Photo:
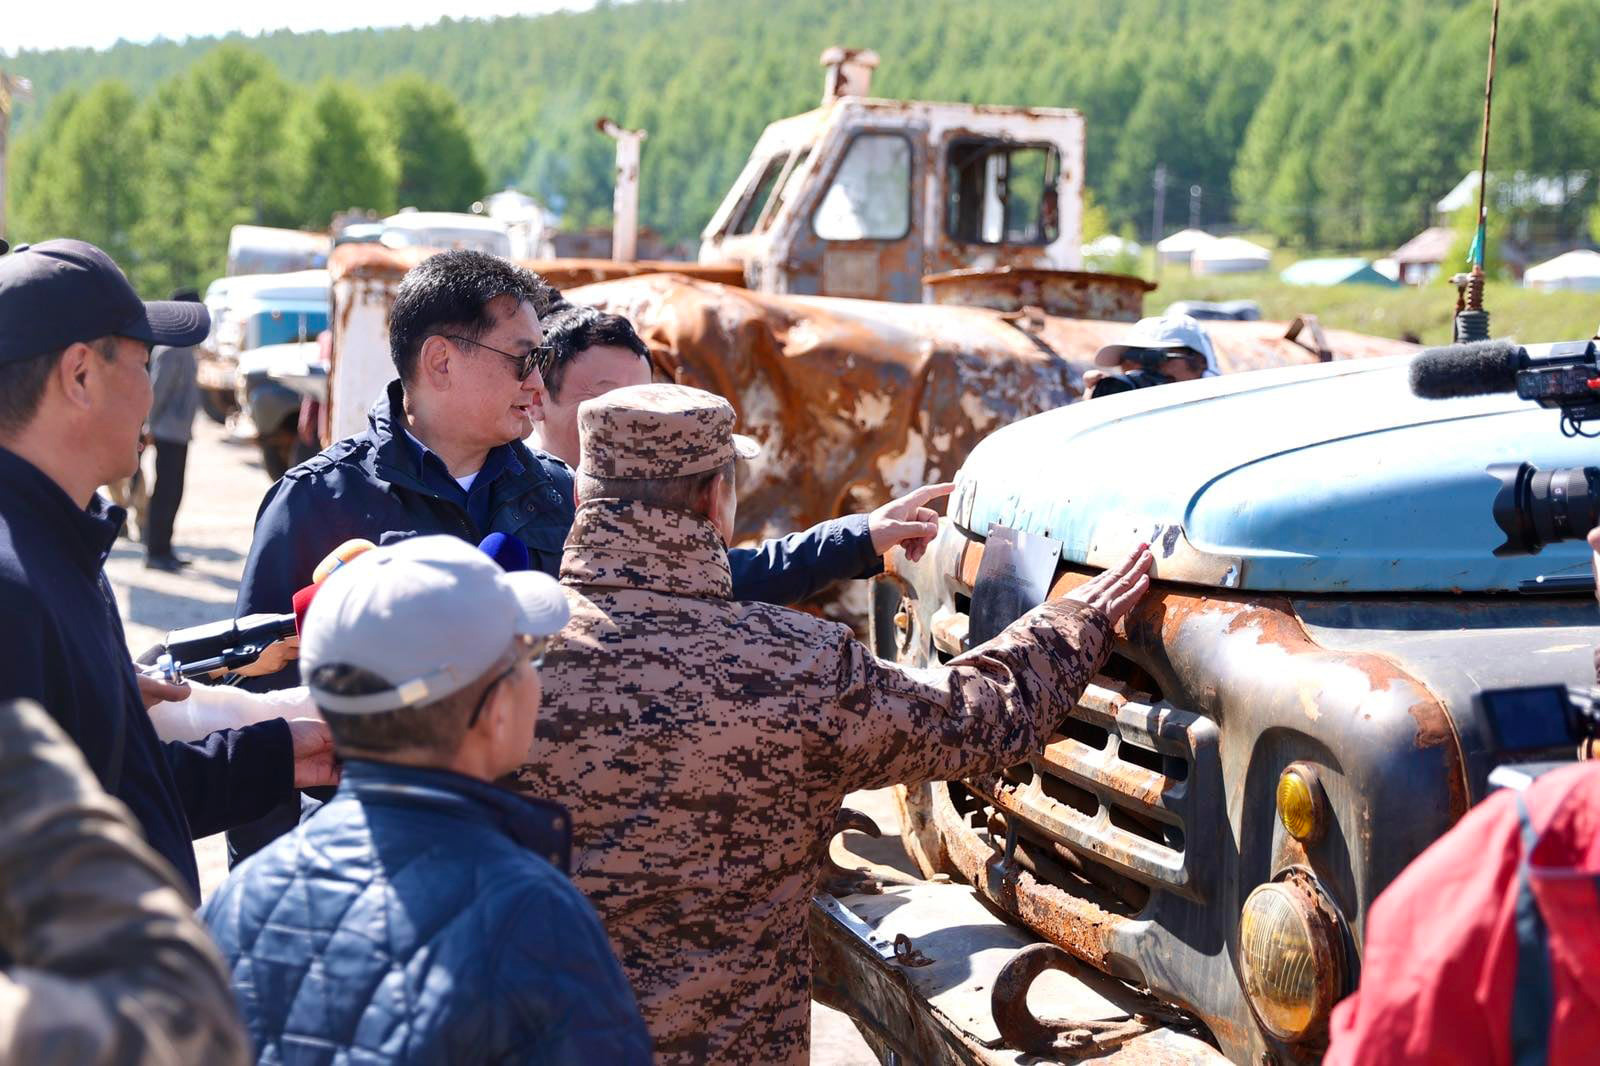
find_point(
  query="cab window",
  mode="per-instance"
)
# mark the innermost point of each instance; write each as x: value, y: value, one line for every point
x: 1001, y: 193
x: 869, y: 198
x: 750, y: 210
x: 789, y: 183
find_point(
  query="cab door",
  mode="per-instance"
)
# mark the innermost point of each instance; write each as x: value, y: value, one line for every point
x: 859, y: 234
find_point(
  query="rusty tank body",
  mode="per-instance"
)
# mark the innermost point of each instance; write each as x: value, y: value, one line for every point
x: 855, y: 401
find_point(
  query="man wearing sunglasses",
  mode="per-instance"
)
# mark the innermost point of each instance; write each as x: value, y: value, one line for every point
x: 444, y: 453
x: 425, y: 915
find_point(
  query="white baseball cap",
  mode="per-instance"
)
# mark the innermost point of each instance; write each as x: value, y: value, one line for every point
x: 428, y: 615
x: 1161, y: 333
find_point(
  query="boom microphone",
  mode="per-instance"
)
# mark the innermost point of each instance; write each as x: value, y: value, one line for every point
x: 1475, y: 369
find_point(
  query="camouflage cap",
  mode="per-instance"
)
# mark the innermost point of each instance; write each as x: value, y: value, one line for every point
x: 658, y: 430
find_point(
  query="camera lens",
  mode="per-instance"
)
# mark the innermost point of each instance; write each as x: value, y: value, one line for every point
x: 1133, y: 379
x: 1534, y: 508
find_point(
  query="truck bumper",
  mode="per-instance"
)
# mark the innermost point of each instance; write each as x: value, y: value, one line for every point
x: 929, y: 1001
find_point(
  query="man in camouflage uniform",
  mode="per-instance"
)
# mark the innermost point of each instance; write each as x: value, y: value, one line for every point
x: 101, y: 959
x: 704, y: 745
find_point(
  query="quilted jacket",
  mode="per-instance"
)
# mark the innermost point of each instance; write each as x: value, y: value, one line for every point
x: 423, y: 917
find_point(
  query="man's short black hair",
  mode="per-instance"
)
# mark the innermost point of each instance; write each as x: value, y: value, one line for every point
x: 437, y: 728
x: 577, y: 329
x: 448, y: 292
x: 22, y: 383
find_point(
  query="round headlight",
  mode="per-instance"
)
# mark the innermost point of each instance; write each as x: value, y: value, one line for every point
x: 1300, y: 802
x: 1290, y: 957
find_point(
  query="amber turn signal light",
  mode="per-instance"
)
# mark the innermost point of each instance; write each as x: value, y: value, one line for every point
x: 1300, y: 803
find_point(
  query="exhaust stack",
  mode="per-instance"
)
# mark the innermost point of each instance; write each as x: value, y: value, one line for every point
x: 849, y: 72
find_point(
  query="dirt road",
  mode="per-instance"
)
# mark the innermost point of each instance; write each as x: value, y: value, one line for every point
x: 224, y: 486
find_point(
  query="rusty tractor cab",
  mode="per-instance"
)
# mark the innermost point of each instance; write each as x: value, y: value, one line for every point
x: 1302, y: 704
x: 872, y: 199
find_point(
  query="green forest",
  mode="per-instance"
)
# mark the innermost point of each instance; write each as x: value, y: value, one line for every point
x: 1327, y: 126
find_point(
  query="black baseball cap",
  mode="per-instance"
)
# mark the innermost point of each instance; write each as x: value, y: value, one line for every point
x: 59, y: 292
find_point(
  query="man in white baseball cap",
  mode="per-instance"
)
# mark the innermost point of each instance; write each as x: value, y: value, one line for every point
x: 424, y: 914
x: 1156, y: 351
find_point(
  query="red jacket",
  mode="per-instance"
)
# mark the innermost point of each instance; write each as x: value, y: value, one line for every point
x: 1486, y: 949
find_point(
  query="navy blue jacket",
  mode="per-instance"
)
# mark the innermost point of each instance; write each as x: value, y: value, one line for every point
x: 62, y: 644
x: 423, y: 917
x: 379, y: 482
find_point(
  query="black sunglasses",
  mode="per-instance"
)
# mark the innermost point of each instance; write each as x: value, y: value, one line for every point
x: 527, y: 649
x: 537, y: 358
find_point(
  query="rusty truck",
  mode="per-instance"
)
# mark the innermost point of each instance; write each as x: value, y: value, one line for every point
x: 886, y: 285
x: 885, y: 282
x: 1298, y: 708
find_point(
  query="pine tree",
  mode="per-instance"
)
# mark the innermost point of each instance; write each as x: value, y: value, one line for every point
x: 86, y: 184
x: 241, y: 176
x: 438, y: 168
x: 338, y: 157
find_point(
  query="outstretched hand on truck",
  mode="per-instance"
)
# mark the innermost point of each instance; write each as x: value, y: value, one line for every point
x: 908, y: 521
x: 1118, y: 590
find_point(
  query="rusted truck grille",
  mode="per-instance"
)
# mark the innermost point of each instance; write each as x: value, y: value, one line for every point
x: 1112, y: 801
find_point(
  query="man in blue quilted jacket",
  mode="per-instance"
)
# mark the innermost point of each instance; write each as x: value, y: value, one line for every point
x: 425, y: 915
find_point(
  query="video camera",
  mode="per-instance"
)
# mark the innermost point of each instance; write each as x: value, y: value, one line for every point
x: 1543, y: 721
x: 226, y: 645
x: 1148, y: 373
x: 1533, y: 507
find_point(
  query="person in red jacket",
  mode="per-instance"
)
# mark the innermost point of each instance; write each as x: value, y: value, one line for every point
x: 1486, y: 949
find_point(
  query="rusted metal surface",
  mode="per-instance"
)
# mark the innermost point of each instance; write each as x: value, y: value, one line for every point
x: 941, y: 1013
x: 1020, y: 1029
x: 1076, y: 925
x: 379, y: 262
x: 856, y: 402
x: 1245, y: 663
x: 1068, y: 293
x: 907, y: 954
x: 836, y: 879
x: 784, y: 254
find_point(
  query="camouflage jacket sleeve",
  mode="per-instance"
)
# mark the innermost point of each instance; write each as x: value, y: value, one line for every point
x: 991, y: 707
x: 104, y: 961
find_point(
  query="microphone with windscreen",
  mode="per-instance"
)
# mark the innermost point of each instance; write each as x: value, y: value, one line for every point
x: 1476, y: 369
x: 1532, y: 507
x: 508, y: 551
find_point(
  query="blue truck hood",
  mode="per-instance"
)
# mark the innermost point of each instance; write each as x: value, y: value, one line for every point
x: 1330, y: 478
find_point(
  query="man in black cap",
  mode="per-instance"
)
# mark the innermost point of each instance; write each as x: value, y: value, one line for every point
x: 75, y: 344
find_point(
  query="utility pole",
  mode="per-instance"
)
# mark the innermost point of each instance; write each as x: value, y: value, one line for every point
x: 13, y: 87
x: 1194, y: 206
x: 625, y: 197
x: 1160, y: 212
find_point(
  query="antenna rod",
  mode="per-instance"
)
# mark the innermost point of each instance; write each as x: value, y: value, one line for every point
x: 1472, y: 321
x: 1483, y: 155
